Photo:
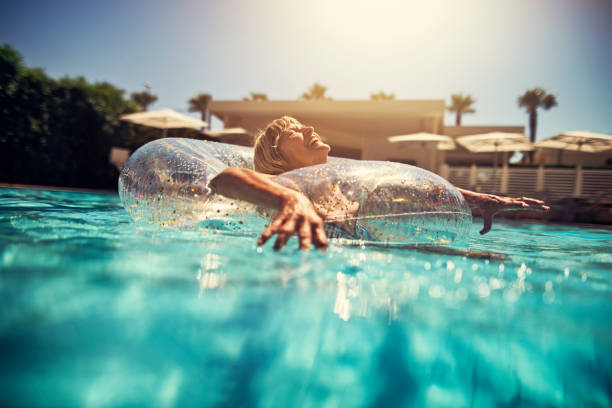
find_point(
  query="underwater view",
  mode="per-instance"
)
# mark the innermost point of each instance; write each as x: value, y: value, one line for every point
x: 97, y: 310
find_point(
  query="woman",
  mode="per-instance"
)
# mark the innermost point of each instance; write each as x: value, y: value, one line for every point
x: 285, y: 145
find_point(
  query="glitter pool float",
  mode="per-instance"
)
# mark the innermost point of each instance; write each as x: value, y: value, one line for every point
x: 165, y: 182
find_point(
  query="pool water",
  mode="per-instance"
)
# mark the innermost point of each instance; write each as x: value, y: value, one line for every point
x: 99, y: 311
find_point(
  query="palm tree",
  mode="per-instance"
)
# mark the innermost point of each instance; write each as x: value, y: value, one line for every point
x: 316, y: 92
x: 533, y: 99
x: 461, y: 104
x: 382, y: 96
x: 143, y: 99
x: 199, y: 103
x: 257, y: 97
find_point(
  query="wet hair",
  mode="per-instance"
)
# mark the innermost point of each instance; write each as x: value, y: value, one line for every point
x: 267, y: 158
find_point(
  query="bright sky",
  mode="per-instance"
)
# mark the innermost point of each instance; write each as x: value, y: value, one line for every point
x: 493, y: 50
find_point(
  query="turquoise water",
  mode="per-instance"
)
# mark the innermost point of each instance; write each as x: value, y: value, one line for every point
x: 99, y: 311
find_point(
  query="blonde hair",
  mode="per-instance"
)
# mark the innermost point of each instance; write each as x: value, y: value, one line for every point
x: 267, y: 158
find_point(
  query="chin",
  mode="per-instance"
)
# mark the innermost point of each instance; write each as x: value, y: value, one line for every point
x: 323, y: 157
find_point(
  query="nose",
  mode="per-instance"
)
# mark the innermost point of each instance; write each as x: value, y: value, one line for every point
x: 307, y: 130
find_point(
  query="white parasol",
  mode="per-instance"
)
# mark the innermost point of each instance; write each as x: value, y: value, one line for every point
x: 495, y: 142
x: 444, y: 142
x: 163, y: 119
x: 432, y: 143
x: 580, y: 141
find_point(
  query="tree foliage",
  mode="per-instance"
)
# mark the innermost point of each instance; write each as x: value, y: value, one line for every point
x: 461, y: 104
x: 59, y: 132
x: 382, y: 96
x: 316, y: 93
x: 256, y: 97
x: 144, y: 99
x: 200, y: 103
x: 532, y: 100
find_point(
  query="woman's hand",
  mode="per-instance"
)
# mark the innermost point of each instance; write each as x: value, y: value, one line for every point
x: 296, y: 215
x: 490, y: 205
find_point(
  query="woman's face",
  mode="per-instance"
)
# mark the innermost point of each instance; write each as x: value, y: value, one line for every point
x: 301, y: 146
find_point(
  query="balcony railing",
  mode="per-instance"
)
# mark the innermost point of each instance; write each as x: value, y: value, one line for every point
x: 551, y: 183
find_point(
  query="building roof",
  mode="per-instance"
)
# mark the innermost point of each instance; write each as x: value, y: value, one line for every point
x: 342, y: 123
x: 357, y: 129
x: 386, y: 109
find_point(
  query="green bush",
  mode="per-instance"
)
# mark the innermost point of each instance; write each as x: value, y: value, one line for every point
x: 59, y: 132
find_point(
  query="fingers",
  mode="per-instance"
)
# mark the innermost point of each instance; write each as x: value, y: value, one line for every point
x: 532, y: 200
x: 281, y: 240
x: 523, y: 203
x: 285, y: 227
x: 307, y: 224
x: 512, y: 204
x: 271, y: 230
x: 305, y: 235
x: 284, y: 233
x: 319, y: 236
x: 539, y: 205
x: 488, y: 221
x: 533, y: 204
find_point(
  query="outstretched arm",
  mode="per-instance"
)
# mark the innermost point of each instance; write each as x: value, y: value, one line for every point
x: 490, y: 205
x: 296, y: 213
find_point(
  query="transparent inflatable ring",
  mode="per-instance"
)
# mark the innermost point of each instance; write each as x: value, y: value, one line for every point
x: 165, y: 182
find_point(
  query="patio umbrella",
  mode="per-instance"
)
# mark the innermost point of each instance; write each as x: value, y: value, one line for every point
x: 163, y: 119
x: 237, y: 135
x: 580, y: 141
x: 225, y: 132
x: 444, y: 142
x: 496, y: 142
x: 439, y: 142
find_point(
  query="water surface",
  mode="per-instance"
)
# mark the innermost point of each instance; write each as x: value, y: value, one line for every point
x: 97, y: 310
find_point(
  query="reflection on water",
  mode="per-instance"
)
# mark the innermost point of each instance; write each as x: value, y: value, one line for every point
x: 208, y: 278
x: 347, y: 290
x: 98, y: 311
x: 444, y: 282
